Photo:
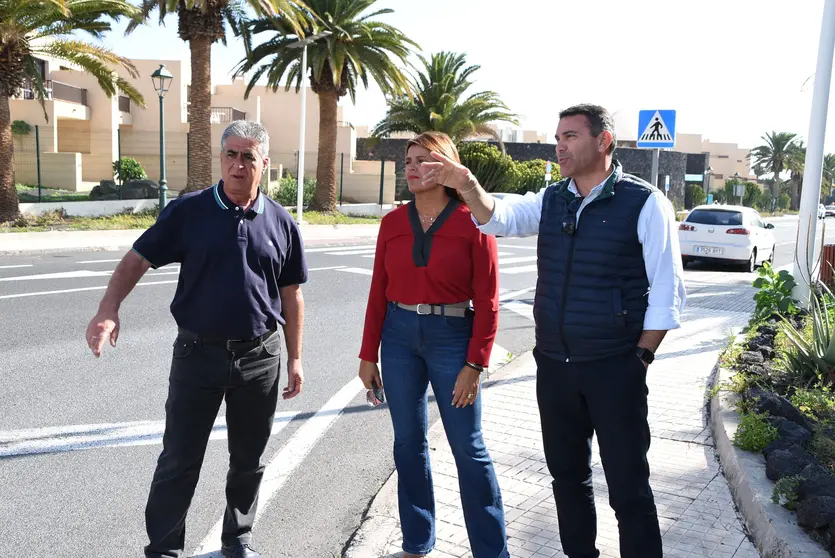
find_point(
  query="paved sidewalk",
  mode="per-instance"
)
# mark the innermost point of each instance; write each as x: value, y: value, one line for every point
x: 695, y: 507
x: 46, y: 241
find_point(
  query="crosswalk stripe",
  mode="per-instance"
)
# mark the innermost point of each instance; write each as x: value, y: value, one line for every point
x: 516, y: 270
x: 288, y: 459
x: 521, y: 259
x: 357, y: 270
x: 350, y: 253
x: 335, y: 248
x: 521, y: 308
x: 57, y: 439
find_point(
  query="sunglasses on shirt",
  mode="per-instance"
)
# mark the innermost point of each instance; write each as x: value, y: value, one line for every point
x: 569, y: 225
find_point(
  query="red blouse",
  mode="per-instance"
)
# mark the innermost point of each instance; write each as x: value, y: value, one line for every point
x: 462, y: 266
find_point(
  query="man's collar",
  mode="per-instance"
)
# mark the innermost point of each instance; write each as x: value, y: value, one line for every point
x: 224, y: 202
x: 605, y: 188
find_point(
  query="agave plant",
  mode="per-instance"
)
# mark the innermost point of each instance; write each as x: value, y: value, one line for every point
x: 813, y: 359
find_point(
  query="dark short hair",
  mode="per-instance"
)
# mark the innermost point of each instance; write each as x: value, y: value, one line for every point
x: 599, y: 119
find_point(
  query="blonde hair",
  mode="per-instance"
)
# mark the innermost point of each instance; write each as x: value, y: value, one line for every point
x: 441, y: 143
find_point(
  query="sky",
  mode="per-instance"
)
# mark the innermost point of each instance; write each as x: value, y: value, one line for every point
x: 732, y: 69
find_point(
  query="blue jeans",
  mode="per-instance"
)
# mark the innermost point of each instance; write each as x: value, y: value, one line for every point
x: 416, y: 351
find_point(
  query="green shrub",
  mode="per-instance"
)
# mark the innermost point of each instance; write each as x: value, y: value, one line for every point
x: 818, y: 404
x: 696, y: 194
x: 531, y: 175
x: 774, y: 294
x: 785, y: 491
x: 753, y: 433
x: 21, y: 128
x: 495, y: 171
x: 783, y: 201
x: 285, y: 191
x: 128, y: 168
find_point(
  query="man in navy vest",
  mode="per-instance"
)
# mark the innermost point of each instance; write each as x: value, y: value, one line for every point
x: 610, y: 285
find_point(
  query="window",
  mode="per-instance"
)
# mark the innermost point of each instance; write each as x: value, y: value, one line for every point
x: 719, y: 217
x: 719, y: 176
x: 722, y: 156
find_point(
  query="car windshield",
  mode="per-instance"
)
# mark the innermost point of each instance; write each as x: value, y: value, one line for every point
x: 715, y: 217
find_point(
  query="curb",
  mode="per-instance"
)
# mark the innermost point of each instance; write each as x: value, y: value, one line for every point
x: 772, y: 528
x: 379, y: 526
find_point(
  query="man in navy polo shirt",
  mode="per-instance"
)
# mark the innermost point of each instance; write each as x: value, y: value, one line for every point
x: 238, y: 301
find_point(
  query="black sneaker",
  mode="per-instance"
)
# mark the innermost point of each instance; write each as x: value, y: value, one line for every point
x: 239, y: 551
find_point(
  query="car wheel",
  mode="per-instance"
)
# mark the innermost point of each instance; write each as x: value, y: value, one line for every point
x: 771, y: 257
x: 751, y: 266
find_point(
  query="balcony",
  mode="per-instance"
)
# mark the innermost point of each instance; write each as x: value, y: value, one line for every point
x: 57, y: 91
x: 225, y: 115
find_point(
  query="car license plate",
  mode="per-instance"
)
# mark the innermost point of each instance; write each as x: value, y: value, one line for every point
x: 709, y: 250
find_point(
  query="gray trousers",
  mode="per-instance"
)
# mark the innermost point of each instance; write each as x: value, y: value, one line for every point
x: 202, y: 375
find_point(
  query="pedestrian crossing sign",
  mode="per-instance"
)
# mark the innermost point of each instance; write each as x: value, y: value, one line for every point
x: 656, y: 129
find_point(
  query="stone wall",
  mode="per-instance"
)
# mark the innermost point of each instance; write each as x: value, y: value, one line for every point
x: 634, y: 161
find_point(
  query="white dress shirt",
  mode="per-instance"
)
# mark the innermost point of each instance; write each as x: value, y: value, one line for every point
x: 657, y: 233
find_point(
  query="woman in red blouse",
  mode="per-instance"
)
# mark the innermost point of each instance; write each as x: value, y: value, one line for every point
x: 431, y: 261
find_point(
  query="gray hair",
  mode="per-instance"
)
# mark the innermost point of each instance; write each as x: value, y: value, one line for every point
x: 247, y: 129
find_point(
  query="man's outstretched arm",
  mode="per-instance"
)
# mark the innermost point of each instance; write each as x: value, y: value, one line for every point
x: 106, y: 321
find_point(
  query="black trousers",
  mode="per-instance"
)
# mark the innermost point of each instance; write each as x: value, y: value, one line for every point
x: 609, y: 397
x: 202, y: 375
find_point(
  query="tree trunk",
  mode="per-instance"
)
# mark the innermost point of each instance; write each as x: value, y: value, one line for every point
x: 201, y: 155
x: 795, y: 195
x: 9, y: 208
x: 325, y: 198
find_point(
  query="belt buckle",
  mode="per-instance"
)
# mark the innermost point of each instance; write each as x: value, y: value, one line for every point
x: 421, y: 313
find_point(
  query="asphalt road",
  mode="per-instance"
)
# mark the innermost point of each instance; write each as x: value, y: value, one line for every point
x: 79, y: 436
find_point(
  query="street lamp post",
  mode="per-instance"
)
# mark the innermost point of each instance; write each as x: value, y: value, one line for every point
x: 162, y: 82
x: 810, y: 198
x: 302, y: 43
x: 738, y: 184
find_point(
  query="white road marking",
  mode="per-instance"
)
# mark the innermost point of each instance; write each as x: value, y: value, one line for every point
x: 522, y: 259
x: 326, y: 268
x: 507, y: 295
x: 517, y: 246
x: 357, y: 270
x: 521, y: 308
x: 282, y: 466
x: 57, y: 439
x: 78, y: 290
x: 98, y: 261
x: 521, y: 269
x: 351, y: 252
x: 335, y: 248
x: 16, y: 266
x: 60, y: 275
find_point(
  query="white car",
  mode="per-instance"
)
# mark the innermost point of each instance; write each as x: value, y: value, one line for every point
x: 821, y: 211
x: 726, y: 234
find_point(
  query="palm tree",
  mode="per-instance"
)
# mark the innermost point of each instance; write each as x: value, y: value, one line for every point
x: 201, y: 23
x: 439, y: 103
x: 358, y: 48
x: 773, y: 154
x: 30, y: 29
x: 795, y: 164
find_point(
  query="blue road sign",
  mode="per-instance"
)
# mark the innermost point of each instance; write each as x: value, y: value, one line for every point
x: 657, y: 129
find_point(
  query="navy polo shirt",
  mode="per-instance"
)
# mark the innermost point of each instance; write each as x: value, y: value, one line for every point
x: 232, y: 262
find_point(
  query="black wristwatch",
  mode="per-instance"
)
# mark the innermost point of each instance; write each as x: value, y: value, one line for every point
x: 477, y: 367
x: 645, y: 355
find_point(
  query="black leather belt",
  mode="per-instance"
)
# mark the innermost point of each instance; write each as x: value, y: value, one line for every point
x: 231, y: 345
